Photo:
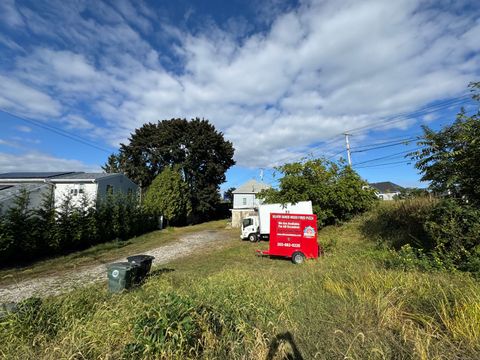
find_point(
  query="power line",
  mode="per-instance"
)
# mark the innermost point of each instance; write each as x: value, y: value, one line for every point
x: 423, y: 111
x: 388, y: 156
x: 382, y: 147
x: 394, y: 119
x: 399, y: 140
x: 390, y: 163
x: 58, y: 131
x: 338, y: 153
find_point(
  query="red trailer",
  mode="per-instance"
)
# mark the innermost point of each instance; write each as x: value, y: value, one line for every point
x: 293, y: 236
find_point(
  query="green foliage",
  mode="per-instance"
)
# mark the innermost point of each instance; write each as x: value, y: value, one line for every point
x: 400, y: 223
x: 26, y: 234
x: 175, y: 327
x: 228, y: 195
x: 225, y: 303
x: 168, y: 196
x: 450, y: 159
x: 113, y: 164
x: 196, y: 147
x: 428, y: 234
x: 410, y: 193
x: 337, y: 192
x: 455, y: 230
x: 440, y: 234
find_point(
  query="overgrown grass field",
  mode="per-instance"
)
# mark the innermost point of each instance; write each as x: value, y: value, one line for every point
x: 227, y: 303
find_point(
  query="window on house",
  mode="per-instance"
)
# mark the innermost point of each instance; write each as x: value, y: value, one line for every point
x: 109, y: 189
x: 244, y: 201
x: 74, y: 192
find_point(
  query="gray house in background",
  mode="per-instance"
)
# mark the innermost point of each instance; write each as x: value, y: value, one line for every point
x: 76, y: 185
x: 245, y: 201
x: 386, y: 190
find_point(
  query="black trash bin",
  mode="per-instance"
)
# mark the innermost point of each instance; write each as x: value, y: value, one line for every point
x: 121, y: 276
x: 144, y: 263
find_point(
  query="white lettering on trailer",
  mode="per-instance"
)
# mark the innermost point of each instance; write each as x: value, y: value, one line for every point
x: 281, y: 244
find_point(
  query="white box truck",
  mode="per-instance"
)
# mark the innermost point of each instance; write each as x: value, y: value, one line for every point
x: 255, y: 228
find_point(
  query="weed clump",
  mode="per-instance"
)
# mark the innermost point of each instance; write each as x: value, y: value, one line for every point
x: 176, y: 327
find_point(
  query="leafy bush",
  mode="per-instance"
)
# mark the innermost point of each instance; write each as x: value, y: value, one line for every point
x: 168, y: 195
x: 26, y: 234
x: 337, y: 192
x: 455, y: 230
x: 175, y: 327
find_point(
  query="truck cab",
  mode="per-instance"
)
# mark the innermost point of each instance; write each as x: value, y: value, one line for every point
x: 250, y: 229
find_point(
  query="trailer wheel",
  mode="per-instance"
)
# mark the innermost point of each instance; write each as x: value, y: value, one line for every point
x: 298, y: 257
x: 252, y: 238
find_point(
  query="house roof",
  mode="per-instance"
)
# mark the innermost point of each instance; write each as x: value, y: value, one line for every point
x: 33, y: 175
x: 386, y: 187
x: 251, y: 187
x: 56, y: 177
x: 85, y: 176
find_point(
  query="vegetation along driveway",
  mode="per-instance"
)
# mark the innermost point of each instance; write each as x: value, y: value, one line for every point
x: 56, y: 284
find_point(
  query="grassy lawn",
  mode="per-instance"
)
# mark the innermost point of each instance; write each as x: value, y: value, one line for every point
x: 102, y: 253
x: 228, y: 303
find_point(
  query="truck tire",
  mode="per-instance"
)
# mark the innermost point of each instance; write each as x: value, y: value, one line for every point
x: 253, y: 238
x: 298, y: 257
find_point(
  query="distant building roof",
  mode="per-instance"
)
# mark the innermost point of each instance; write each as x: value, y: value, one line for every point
x: 386, y: 187
x: 251, y: 187
x: 33, y: 175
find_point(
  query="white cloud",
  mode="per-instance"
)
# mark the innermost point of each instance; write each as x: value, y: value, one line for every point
x: 23, y: 128
x: 36, y: 161
x: 7, y: 143
x: 18, y: 97
x: 10, y: 14
x: 320, y: 69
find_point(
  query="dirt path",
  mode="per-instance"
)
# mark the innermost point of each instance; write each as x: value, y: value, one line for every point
x: 56, y: 284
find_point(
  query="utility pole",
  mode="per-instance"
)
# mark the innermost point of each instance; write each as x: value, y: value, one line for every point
x: 348, y: 149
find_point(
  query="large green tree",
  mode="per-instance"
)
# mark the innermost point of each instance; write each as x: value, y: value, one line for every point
x: 168, y: 196
x: 450, y: 158
x: 336, y: 191
x: 200, y: 152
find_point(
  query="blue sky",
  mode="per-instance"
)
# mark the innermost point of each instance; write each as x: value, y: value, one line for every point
x: 281, y: 79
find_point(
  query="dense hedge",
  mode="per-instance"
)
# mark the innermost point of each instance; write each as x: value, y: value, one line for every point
x: 26, y: 234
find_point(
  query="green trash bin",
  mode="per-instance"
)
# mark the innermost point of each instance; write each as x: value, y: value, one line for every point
x: 121, y: 276
x: 144, y: 263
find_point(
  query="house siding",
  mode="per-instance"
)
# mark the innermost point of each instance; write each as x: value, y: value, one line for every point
x: 120, y: 183
x: 63, y: 191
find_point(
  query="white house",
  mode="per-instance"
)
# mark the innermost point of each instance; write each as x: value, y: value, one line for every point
x: 386, y: 190
x: 77, y: 185
x: 245, y: 201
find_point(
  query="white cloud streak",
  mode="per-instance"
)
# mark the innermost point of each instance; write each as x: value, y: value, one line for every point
x: 320, y: 69
x: 36, y: 161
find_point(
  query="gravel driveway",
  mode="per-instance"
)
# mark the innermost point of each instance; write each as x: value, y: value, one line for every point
x: 56, y: 284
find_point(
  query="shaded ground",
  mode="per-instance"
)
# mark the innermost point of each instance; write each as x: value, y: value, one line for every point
x: 66, y: 281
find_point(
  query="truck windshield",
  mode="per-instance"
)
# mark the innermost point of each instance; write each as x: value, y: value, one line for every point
x: 247, y: 222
